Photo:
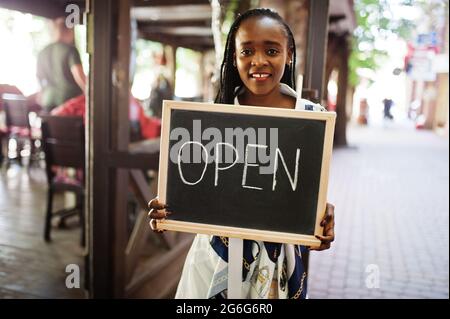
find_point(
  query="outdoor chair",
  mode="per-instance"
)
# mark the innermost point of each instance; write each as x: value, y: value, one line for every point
x: 63, y: 145
x: 18, y: 127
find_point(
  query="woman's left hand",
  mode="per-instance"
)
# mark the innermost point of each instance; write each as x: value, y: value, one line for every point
x: 328, y: 229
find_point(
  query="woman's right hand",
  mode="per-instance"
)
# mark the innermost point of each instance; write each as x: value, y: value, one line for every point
x: 156, y: 212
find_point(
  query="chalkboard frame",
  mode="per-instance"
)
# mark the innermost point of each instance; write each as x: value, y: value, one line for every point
x: 235, y: 232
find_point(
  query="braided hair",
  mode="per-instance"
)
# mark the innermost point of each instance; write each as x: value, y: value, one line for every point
x: 229, y: 75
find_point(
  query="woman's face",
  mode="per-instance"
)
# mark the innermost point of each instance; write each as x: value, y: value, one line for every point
x: 261, y: 54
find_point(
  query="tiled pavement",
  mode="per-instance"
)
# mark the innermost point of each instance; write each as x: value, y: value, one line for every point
x: 391, y: 192
x: 30, y: 267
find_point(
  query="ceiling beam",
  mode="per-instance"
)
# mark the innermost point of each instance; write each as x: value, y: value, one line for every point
x: 190, y: 42
x: 49, y: 9
x: 151, y: 3
x: 44, y: 8
x: 148, y: 25
x: 182, y: 31
x: 179, y: 13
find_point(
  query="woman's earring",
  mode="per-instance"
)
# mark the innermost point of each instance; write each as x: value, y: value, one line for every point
x: 234, y: 63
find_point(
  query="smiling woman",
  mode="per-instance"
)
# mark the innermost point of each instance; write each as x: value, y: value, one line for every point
x: 262, y: 52
x: 257, y: 70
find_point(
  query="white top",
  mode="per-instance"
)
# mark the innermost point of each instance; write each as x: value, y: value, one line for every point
x: 301, y: 104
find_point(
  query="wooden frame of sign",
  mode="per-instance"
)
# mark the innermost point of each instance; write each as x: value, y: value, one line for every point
x: 231, y: 231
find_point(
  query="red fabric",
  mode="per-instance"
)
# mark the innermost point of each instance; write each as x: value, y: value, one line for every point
x: 63, y: 178
x: 21, y: 131
x: 150, y: 126
x: 74, y: 107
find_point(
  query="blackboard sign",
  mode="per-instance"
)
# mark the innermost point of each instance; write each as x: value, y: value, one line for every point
x: 247, y: 172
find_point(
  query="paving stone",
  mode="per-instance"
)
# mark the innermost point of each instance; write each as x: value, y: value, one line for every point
x: 393, y: 213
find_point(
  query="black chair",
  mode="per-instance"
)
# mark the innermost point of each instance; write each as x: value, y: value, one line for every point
x: 18, y: 125
x: 63, y: 145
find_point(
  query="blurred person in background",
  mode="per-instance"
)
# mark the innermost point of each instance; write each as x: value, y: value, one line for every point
x: 387, y: 103
x: 161, y: 90
x: 59, y: 69
x: 363, y: 112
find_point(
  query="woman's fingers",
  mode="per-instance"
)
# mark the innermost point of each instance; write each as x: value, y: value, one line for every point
x: 157, y: 209
x: 153, y: 225
x: 322, y: 246
x: 157, y: 214
x: 326, y: 239
x: 328, y: 229
x: 155, y: 204
x: 329, y: 215
x: 330, y: 209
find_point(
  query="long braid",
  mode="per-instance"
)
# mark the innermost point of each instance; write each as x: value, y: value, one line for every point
x: 229, y: 75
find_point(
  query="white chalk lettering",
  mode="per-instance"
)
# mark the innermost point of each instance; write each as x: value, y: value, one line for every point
x: 216, y: 176
x: 246, y: 164
x: 292, y: 181
x: 179, y: 162
x: 238, y: 137
x: 217, y: 154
